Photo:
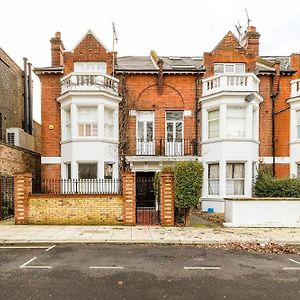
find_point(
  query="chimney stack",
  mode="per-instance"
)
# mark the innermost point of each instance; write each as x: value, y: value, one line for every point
x: 251, y: 41
x: 56, y: 50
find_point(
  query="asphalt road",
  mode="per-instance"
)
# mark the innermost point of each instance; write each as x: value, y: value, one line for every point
x: 145, y: 272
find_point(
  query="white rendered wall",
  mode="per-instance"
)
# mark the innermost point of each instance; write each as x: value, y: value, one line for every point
x: 262, y: 213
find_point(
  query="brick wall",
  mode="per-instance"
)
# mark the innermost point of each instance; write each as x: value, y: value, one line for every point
x: 167, y: 201
x: 11, y: 91
x: 75, y: 209
x: 17, y: 160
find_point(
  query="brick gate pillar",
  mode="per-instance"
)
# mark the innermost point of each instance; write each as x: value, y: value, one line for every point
x: 167, y: 199
x: 22, y: 189
x: 129, y: 200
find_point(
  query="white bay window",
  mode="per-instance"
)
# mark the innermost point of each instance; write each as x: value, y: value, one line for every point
x: 221, y: 68
x: 235, y: 178
x: 213, y: 179
x: 87, y: 121
x: 90, y: 67
x: 235, y: 123
x: 213, y: 124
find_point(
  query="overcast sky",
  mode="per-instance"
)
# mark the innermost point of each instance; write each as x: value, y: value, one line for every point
x: 170, y: 27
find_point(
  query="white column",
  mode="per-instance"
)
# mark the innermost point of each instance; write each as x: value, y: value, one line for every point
x: 222, y: 123
x: 74, y: 121
x: 204, y: 125
x: 74, y: 169
x: 222, y: 178
x: 293, y: 125
x: 248, y: 121
x: 63, y: 123
x: 101, y: 120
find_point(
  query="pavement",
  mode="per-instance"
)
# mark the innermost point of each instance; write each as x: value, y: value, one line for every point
x: 11, y: 234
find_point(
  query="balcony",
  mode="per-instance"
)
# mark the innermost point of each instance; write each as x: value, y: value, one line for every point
x: 162, y: 147
x: 92, y: 82
x: 247, y: 82
x: 295, y: 88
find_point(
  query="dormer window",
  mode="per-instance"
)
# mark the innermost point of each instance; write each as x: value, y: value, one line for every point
x: 90, y: 67
x: 229, y: 68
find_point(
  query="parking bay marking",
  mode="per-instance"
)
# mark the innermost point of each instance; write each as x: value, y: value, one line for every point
x: 293, y: 268
x: 106, y: 267
x: 26, y: 265
x: 201, y: 268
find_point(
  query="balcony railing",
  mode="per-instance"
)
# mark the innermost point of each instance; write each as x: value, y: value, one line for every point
x: 162, y: 147
x: 295, y: 88
x: 76, y: 186
x: 247, y: 82
x: 89, y: 82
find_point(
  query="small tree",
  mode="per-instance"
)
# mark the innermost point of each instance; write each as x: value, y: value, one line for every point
x: 187, y: 186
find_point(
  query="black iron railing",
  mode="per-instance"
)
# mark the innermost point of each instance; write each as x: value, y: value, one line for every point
x: 162, y: 147
x: 76, y: 186
x: 6, y: 198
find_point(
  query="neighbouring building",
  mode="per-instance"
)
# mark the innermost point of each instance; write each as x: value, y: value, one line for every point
x: 231, y: 109
x: 19, y: 134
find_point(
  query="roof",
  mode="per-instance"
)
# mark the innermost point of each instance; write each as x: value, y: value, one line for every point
x: 266, y: 63
x: 176, y: 64
x: 48, y: 70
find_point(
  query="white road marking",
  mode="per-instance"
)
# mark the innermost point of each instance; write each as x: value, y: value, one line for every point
x: 295, y: 261
x: 25, y: 265
x: 105, y: 267
x: 202, y: 268
x: 48, y: 249
x: 23, y: 247
x: 28, y: 262
x: 291, y: 268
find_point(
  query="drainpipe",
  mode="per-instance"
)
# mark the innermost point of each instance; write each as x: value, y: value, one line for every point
x: 26, y: 112
x: 196, y: 112
x: 273, y: 98
x: 30, y: 99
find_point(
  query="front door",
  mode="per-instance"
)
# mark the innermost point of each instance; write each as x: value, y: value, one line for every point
x: 174, y: 133
x: 146, y: 208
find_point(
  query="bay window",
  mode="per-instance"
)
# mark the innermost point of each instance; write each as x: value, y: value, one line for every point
x: 235, y: 126
x: 213, y: 179
x: 298, y: 123
x: 213, y: 124
x: 235, y: 178
x: 90, y: 67
x: 87, y: 121
x: 221, y: 68
x: 108, y: 123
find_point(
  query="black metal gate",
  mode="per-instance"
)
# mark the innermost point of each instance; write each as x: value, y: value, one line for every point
x: 147, y: 207
x: 6, y: 198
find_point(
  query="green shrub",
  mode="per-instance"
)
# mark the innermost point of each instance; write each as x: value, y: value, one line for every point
x: 268, y: 186
x: 187, y: 183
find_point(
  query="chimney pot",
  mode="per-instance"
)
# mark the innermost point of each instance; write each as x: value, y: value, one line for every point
x: 251, y: 29
x: 57, y: 35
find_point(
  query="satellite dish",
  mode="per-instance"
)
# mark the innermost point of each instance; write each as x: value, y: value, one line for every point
x: 250, y: 97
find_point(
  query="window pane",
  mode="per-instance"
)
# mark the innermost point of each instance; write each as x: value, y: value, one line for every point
x: 240, y: 68
x: 87, y: 170
x: 149, y: 131
x: 87, y: 114
x: 235, y: 125
x: 174, y: 116
x: 213, y: 124
x: 81, y: 129
x: 219, y: 68
x: 170, y: 132
x: 235, y: 178
x: 108, y: 123
x: 88, y: 130
x: 298, y: 117
x: 141, y: 130
x: 229, y: 68
x: 108, y: 170
x: 213, y: 179
x: 68, y: 171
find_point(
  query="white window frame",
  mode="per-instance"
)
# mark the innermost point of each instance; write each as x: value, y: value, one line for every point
x: 84, y: 124
x: 210, y: 180
x: 68, y: 122
x: 99, y: 67
x: 210, y: 121
x: 298, y: 124
x: 109, y: 123
x: 224, y: 65
x: 235, y: 179
x: 242, y: 108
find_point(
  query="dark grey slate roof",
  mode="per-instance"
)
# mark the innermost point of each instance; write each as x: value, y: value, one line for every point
x: 171, y: 63
x: 284, y: 61
x: 131, y: 63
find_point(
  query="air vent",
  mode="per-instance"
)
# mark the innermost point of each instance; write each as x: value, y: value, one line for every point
x: 11, y: 138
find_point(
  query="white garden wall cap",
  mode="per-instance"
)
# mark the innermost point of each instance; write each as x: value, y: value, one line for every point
x: 263, y: 199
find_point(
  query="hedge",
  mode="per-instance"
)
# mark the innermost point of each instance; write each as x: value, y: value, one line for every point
x: 187, y: 183
x: 268, y: 186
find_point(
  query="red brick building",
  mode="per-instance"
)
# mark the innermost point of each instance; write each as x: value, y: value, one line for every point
x: 231, y: 108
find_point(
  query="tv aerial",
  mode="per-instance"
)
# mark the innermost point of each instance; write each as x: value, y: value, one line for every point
x: 248, y: 19
x: 238, y: 28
